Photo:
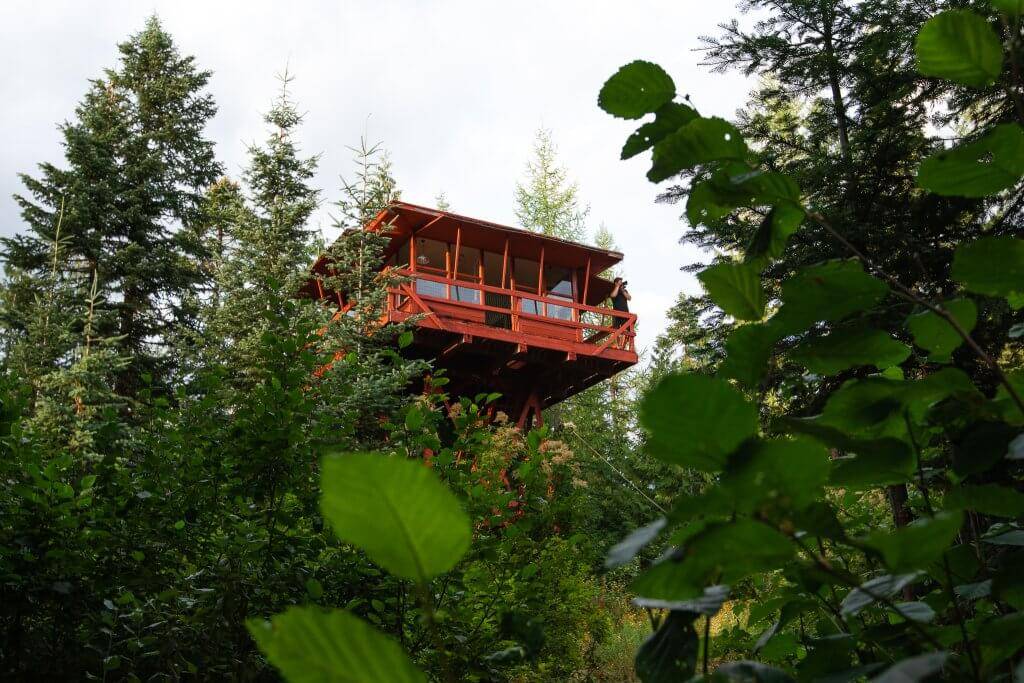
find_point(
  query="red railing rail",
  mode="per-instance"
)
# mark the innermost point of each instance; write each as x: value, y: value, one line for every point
x: 621, y: 333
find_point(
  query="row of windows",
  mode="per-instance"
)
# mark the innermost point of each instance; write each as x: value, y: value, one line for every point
x: 437, y: 256
x: 470, y: 295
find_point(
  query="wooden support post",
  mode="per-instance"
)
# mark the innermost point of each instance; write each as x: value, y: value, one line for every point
x: 543, y: 308
x: 458, y: 248
x: 586, y: 282
x: 504, y: 265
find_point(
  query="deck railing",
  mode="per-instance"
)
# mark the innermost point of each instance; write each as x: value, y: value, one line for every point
x: 593, y: 325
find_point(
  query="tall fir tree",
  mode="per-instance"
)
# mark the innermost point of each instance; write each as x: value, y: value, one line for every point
x: 546, y: 202
x: 137, y: 161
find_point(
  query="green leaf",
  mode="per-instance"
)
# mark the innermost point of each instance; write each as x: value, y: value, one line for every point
x: 699, y: 142
x: 709, y: 604
x: 414, y: 418
x: 829, y: 291
x: 988, y: 499
x: 915, y: 611
x: 1011, y: 7
x: 913, y: 669
x: 871, y: 464
x: 961, y: 46
x: 636, y: 89
x: 981, y: 168
x: 935, y: 335
x: 625, y: 550
x: 981, y: 447
x: 309, y: 645
x: 720, y: 553
x: 314, y: 588
x: 884, y: 586
x: 770, y: 239
x: 397, y: 511
x: 404, y: 339
x: 993, y: 266
x: 1001, y: 638
x: 669, y: 118
x: 745, y: 671
x: 748, y: 349
x: 696, y: 421
x: 670, y: 653
x: 848, y: 347
x: 918, y: 544
x: 736, y: 289
x: 788, y: 472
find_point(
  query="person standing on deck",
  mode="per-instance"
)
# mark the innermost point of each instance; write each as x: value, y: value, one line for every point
x: 620, y: 296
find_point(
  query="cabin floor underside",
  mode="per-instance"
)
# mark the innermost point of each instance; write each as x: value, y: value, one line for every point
x: 520, y: 372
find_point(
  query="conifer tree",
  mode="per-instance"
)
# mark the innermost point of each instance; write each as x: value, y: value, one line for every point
x: 136, y: 162
x: 546, y: 202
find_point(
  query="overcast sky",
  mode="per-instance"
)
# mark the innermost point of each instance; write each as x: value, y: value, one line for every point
x: 455, y: 89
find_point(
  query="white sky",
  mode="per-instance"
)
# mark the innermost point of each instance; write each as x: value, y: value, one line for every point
x: 455, y: 89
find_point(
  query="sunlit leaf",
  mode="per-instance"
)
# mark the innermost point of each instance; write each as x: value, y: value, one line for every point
x: 669, y: 118
x: 696, y: 421
x: 993, y: 266
x: 769, y: 241
x: 309, y: 645
x: 699, y: 142
x: 915, y: 611
x: 397, y: 511
x: 985, y: 167
x: 708, y: 604
x: 829, y: 291
x: 636, y: 89
x: 847, y: 347
x: 918, y: 544
x: 788, y: 472
x: 961, y: 46
x: 748, y: 349
x: 936, y: 335
x: 736, y: 289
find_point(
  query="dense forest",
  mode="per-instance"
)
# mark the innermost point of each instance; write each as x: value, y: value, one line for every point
x: 816, y: 474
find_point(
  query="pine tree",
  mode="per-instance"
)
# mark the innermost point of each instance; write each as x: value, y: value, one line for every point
x: 546, y: 202
x: 136, y: 164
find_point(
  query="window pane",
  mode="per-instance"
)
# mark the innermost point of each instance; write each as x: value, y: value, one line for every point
x: 469, y: 262
x: 431, y: 288
x: 558, y: 280
x: 430, y: 253
x: 530, y: 306
x: 560, y: 312
x: 526, y: 274
x: 466, y: 294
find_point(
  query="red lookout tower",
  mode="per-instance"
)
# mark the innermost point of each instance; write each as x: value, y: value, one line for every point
x: 503, y: 309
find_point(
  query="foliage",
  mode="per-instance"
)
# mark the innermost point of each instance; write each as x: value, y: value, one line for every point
x: 776, y: 502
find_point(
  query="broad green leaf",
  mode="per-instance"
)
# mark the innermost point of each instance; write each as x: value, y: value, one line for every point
x: 993, y: 266
x: 848, y: 347
x: 829, y: 292
x: 636, y: 89
x: 314, y: 588
x: 696, y: 421
x: 961, y: 46
x: 1001, y: 638
x: 915, y: 611
x: 869, y: 407
x: 918, y: 544
x: 981, y: 447
x: 935, y: 335
x: 884, y: 586
x: 309, y: 645
x: 736, y: 289
x: 769, y: 241
x: 988, y: 499
x: 722, y: 553
x: 1005, y: 403
x: 699, y: 142
x: 787, y: 472
x: 1011, y: 7
x: 397, y: 511
x: 985, y: 167
x: 625, y: 550
x: 670, y: 653
x: 669, y: 118
x: 871, y: 464
x: 748, y: 349
x: 913, y: 669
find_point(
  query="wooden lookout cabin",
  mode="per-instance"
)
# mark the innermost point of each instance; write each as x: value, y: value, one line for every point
x: 502, y: 309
